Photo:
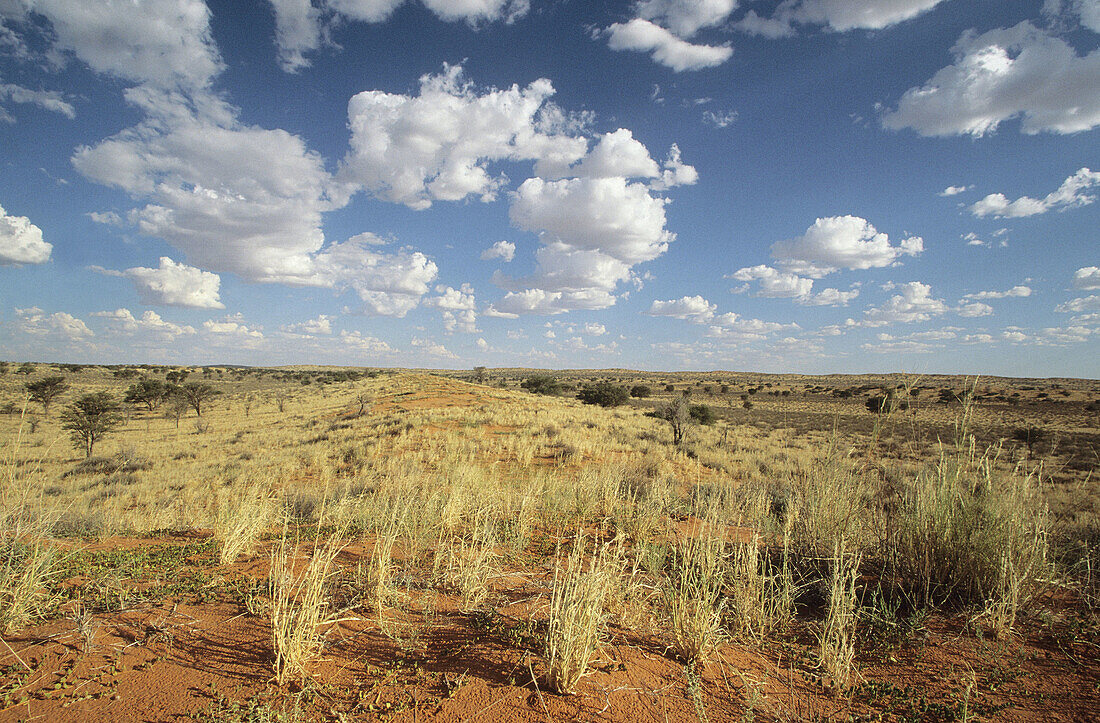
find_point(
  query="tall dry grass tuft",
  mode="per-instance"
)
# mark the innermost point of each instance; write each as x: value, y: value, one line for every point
x: 966, y: 532
x: 299, y: 602
x: 836, y: 642
x: 827, y: 504
x: 28, y: 560
x: 577, y: 614
x: 693, y: 598
x: 761, y: 594
x: 240, y: 523
x: 466, y: 565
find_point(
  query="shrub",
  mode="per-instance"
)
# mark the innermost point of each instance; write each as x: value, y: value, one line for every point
x: 701, y: 413
x: 640, y: 391
x: 605, y: 394
x: 542, y: 384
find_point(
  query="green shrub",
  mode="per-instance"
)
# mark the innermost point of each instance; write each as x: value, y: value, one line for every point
x: 605, y: 394
x: 542, y: 384
x: 701, y: 413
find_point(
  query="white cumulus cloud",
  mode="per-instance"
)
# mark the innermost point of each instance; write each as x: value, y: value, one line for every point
x: 21, y: 241
x: 1014, y: 292
x: 593, y: 231
x: 665, y: 47
x: 1087, y: 278
x: 612, y: 215
x: 321, y: 326
x: 232, y: 197
x: 1071, y: 194
x: 693, y: 308
x: 829, y: 297
x: 437, y: 145
x: 975, y: 309
x: 166, y: 43
x: 360, y: 342
x: 1020, y: 72
x: 232, y: 327
x: 150, y: 323
x: 841, y: 242
x: 175, y: 284
x: 773, y: 283
x: 60, y: 324
x: 1079, y: 305
x: 432, y: 348
x: 457, y: 308
x: 914, y: 303
x: 503, y: 250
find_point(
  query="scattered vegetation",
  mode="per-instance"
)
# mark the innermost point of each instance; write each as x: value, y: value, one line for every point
x: 356, y: 532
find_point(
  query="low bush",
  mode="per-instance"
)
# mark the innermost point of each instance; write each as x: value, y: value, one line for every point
x: 604, y: 394
x: 542, y: 384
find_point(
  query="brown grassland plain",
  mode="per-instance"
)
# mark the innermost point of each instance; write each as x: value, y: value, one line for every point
x: 409, y: 546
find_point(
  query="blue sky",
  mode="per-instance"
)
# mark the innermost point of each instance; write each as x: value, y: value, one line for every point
x: 803, y: 186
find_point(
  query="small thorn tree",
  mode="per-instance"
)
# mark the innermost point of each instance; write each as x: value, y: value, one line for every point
x: 89, y: 419
x: 45, y: 390
x: 149, y: 392
x: 197, y: 394
x: 678, y: 416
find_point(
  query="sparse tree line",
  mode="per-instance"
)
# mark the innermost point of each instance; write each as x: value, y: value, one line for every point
x: 93, y: 415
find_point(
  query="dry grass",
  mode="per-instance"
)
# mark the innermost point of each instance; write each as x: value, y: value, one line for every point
x: 577, y: 614
x: 241, y: 521
x: 300, y: 603
x: 837, y: 640
x: 693, y: 595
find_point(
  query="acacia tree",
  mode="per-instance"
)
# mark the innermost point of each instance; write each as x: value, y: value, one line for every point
x: 89, y: 418
x: 45, y: 390
x: 150, y: 392
x: 197, y: 394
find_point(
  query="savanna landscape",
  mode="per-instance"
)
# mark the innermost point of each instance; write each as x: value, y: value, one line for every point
x: 336, y: 544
